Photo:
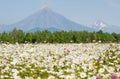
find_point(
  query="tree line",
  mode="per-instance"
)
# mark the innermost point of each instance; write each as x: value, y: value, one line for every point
x: 58, y: 37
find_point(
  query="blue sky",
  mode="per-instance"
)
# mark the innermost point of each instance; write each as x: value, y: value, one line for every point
x: 80, y: 11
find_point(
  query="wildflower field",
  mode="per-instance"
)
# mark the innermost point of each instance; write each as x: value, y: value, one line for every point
x: 60, y: 61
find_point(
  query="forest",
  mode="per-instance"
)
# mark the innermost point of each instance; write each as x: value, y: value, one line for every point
x: 58, y: 37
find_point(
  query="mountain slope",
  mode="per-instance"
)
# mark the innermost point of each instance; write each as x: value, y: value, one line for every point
x: 3, y: 27
x: 46, y: 18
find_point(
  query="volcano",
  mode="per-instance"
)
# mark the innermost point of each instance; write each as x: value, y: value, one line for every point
x: 47, y: 19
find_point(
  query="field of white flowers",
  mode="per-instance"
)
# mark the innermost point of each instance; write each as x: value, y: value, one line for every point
x: 60, y: 61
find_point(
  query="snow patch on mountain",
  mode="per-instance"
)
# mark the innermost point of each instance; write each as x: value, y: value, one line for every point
x: 101, y: 25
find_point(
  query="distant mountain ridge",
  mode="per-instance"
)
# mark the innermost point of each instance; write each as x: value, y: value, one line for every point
x: 47, y: 19
x: 2, y: 27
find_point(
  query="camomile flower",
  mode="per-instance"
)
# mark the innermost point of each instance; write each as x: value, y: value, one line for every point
x: 110, y: 69
x: 51, y: 77
x: 17, y: 77
x: 69, y: 77
x: 83, y: 75
x: 101, y: 70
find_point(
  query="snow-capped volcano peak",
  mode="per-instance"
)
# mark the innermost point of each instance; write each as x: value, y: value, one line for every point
x: 99, y: 25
